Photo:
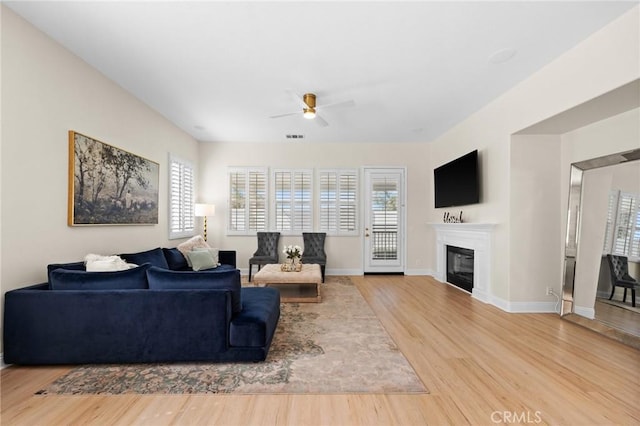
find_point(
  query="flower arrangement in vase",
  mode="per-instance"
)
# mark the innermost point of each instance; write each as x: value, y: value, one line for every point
x: 293, y: 253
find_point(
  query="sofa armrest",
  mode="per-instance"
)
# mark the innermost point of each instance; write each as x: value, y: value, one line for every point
x: 227, y: 257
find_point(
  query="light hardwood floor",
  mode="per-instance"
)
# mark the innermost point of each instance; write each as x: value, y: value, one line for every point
x: 482, y: 366
x: 617, y: 317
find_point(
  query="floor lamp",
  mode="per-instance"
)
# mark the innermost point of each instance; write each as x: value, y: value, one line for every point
x: 205, y: 210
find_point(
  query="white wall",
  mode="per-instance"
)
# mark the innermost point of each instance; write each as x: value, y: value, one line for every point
x: 47, y: 91
x: 534, y: 206
x: 344, y: 253
x: 607, y: 60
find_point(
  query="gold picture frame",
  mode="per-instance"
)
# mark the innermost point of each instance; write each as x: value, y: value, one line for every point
x: 110, y: 186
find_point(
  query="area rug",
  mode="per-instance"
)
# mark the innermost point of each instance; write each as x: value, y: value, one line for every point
x: 336, y: 346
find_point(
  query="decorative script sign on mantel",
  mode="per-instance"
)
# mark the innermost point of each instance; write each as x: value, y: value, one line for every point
x: 449, y: 218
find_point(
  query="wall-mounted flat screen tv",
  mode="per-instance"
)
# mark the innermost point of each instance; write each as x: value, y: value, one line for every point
x: 457, y: 182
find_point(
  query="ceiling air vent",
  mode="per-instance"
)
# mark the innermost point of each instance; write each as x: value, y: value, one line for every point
x: 295, y: 136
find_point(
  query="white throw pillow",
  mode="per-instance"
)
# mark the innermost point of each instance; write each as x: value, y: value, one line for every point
x: 100, y: 263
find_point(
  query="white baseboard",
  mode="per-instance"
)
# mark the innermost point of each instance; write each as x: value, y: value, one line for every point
x: 517, y: 307
x: 584, y: 312
x: 345, y: 271
x: 419, y: 272
x: 2, y: 364
x: 526, y: 307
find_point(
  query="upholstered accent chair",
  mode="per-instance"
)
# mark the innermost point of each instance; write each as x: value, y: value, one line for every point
x: 619, y: 267
x: 313, y: 251
x: 267, y: 251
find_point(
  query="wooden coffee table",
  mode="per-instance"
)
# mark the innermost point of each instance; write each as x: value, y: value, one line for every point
x: 293, y: 286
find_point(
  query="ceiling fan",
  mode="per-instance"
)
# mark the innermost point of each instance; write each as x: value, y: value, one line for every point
x: 309, y: 108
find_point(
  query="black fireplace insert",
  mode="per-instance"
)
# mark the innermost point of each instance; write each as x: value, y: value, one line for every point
x: 460, y: 267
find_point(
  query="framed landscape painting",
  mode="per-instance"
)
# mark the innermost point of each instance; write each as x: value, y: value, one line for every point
x: 110, y: 186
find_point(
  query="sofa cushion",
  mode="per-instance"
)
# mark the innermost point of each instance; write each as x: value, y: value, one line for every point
x: 72, y: 266
x: 202, y: 259
x: 175, y: 259
x: 65, y: 279
x: 155, y: 257
x: 254, y: 326
x: 165, y: 279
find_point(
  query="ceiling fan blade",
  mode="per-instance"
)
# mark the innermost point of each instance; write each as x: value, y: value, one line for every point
x: 320, y: 121
x: 284, y: 115
x: 343, y: 104
x: 298, y: 98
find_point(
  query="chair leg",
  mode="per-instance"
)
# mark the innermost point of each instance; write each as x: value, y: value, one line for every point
x: 613, y: 290
x: 322, y: 271
x: 633, y: 297
x: 624, y: 298
x: 250, y: 266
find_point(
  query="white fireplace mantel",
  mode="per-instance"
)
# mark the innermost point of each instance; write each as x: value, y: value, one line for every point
x: 474, y: 236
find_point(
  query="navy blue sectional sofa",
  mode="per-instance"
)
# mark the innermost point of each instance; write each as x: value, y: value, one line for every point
x: 160, y: 311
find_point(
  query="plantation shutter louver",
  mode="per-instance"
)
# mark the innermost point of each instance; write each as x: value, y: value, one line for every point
x: 293, y: 200
x: 611, y: 216
x: 622, y: 235
x: 257, y: 200
x: 247, y: 200
x: 181, y: 199
x: 625, y: 224
x: 347, y: 212
x: 328, y: 201
x: 635, y: 233
x: 338, y: 201
x: 237, y: 201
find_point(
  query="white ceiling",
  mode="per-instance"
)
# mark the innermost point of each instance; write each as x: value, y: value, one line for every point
x: 219, y: 70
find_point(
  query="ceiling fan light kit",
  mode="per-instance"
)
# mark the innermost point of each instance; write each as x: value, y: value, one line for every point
x: 310, y: 100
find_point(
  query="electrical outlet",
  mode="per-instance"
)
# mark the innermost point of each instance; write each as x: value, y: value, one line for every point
x: 549, y: 291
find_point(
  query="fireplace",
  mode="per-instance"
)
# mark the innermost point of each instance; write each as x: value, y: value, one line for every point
x: 460, y: 267
x: 472, y: 236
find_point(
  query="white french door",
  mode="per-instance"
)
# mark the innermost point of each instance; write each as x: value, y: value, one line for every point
x: 384, y: 221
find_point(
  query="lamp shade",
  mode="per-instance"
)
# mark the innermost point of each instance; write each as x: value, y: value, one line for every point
x: 204, y: 210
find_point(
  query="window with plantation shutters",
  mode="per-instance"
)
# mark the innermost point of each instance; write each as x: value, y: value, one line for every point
x: 612, y: 208
x: 181, y: 198
x: 292, y: 200
x: 623, y: 225
x: 337, y: 201
x: 247, y: 200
